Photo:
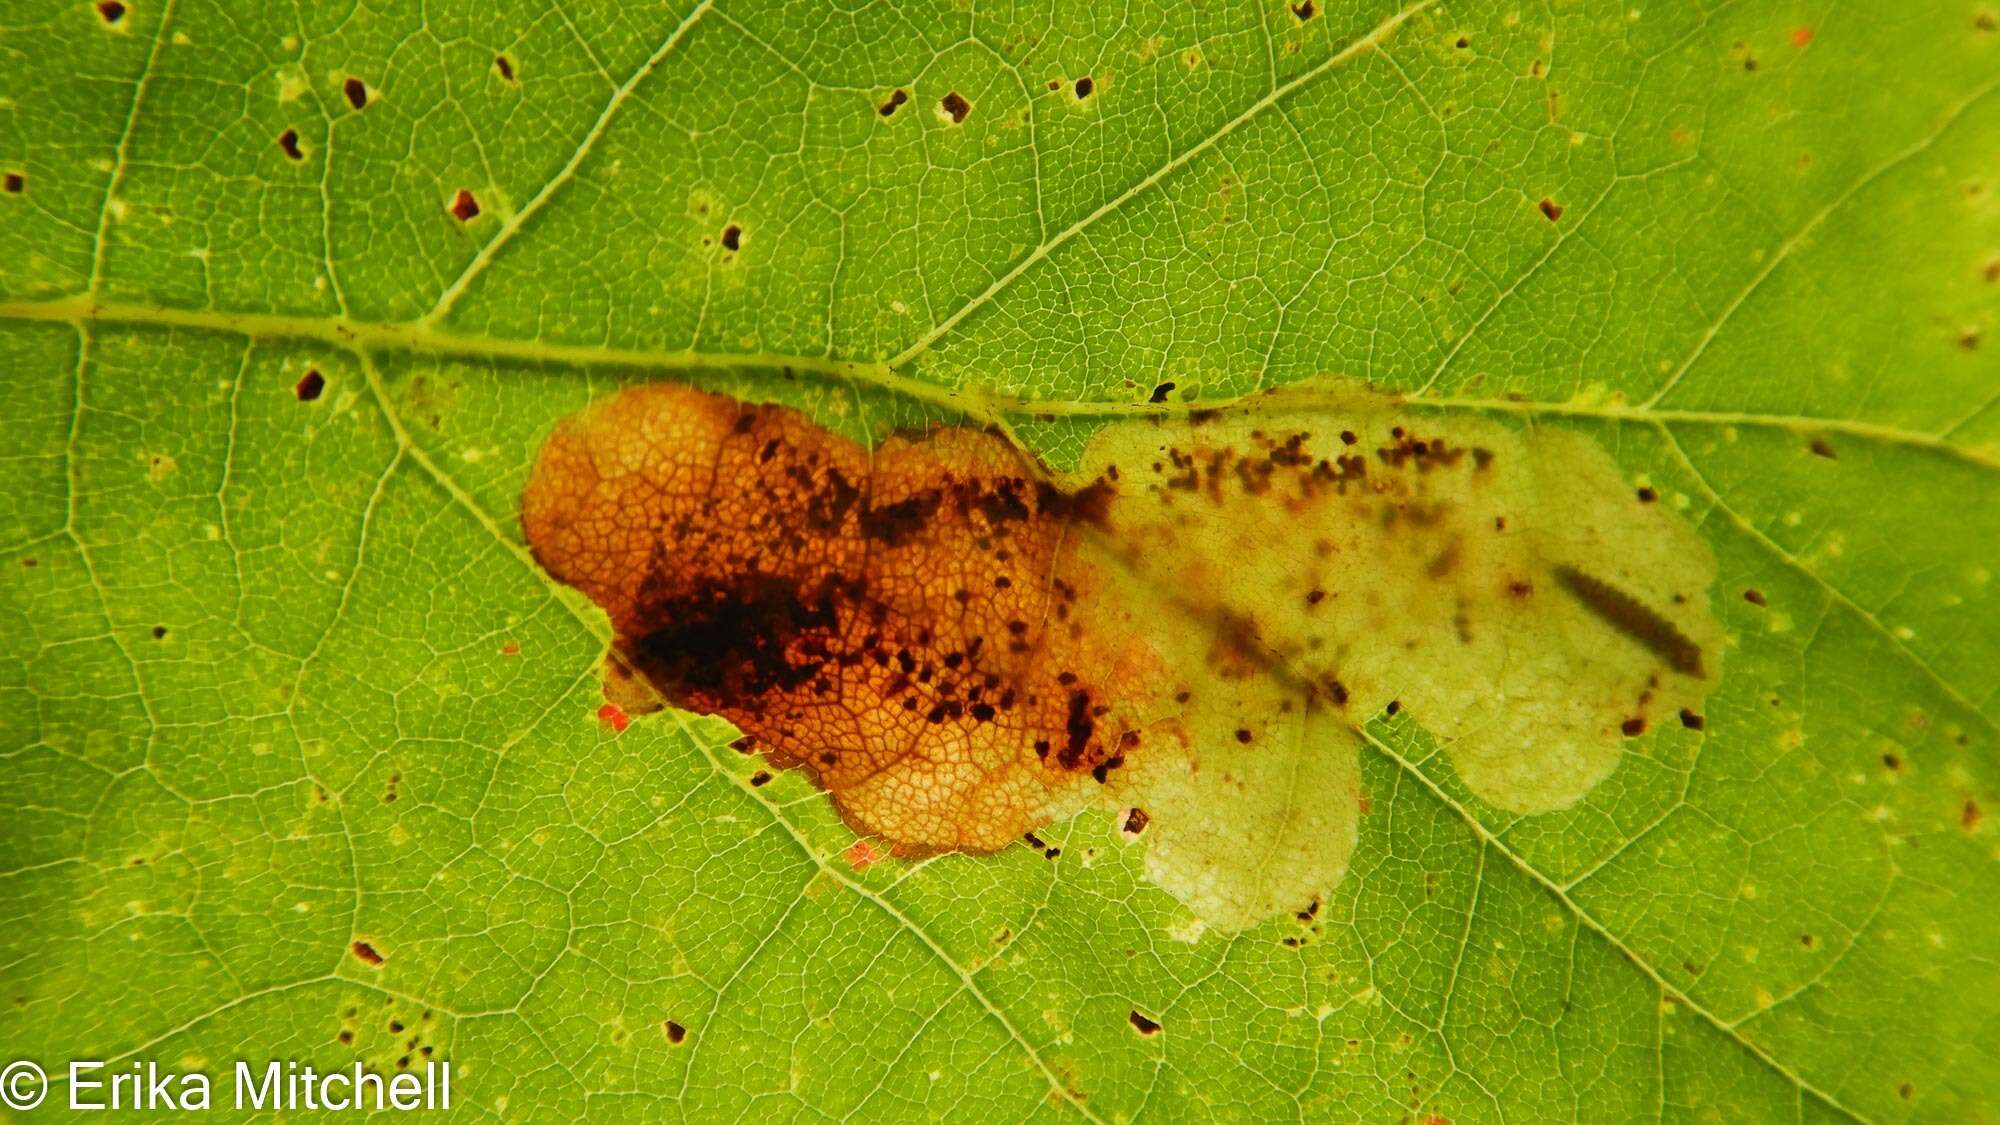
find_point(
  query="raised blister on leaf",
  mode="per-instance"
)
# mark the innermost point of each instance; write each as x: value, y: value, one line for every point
x: 961, y: 646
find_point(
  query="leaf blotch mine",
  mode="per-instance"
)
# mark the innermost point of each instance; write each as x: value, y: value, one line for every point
x: 676, y: 1034
x: 954, y: 108
x: 1304, y: 10
x: 732, y: 238
x: 505, y: 67
x: 288, y: 142
x: 1084, y: 87
x: 464, y: 207
x: 310, y: 385
x: 15, y: 183
x: 1551, y: 210
x: 1141, y: 1024
x: 1217, y: 602
x: 357, y: 93
x: 893, y: 102
x: 366, y: 954
x: 112, y: 12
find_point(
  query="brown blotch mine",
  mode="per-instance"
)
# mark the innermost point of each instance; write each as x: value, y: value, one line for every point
x: 356, y: 91
x: 365, y: 953
x: 732, y: 238
x: 309, y: 385
x: 1143, y: 1025
x: 16, y: 183
x: 675, y: 1033
x: 110, y: 11
x: 505, y: 66
x: 757, y: 567
x: 865, y: 616
x: 289, y: 142
x: 1551, y: 210
x: 463, y: 207
x: 955, y: 108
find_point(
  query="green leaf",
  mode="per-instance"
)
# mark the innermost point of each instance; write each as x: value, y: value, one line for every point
x: 302, y: 755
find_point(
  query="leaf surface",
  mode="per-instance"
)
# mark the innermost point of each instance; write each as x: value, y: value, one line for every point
x: 290, y: 297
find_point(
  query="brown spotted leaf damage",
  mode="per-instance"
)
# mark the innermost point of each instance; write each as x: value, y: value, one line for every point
x: 961, y: 646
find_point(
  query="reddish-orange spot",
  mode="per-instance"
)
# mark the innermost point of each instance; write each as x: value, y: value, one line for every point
x: 862, y: 854
x: 464, y: 207
x: 1551, y: 210
x: 510, y: 649
x: 1801, y: 36
x: 365, y: 953
x: 613, y: 716
x: 1970, y: 815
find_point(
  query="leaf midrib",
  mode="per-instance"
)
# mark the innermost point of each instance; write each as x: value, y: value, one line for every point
x: 977, y: 404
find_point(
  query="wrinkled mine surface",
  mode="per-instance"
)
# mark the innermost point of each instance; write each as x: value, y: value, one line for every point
x: 960, y: 647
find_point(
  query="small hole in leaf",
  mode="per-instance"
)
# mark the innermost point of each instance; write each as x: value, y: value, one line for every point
x: 16, y: 183
x: 357, y: 93
x: 310, y: 385
x: 505, y: 66
x: 1551, y: 209
x: 110, y: 11
x: 955, y: 107
x: 732, y: 237
x: 289, y: 141
x: 1084, y: 86
x: 896, y: 98
x: 464, y: 206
